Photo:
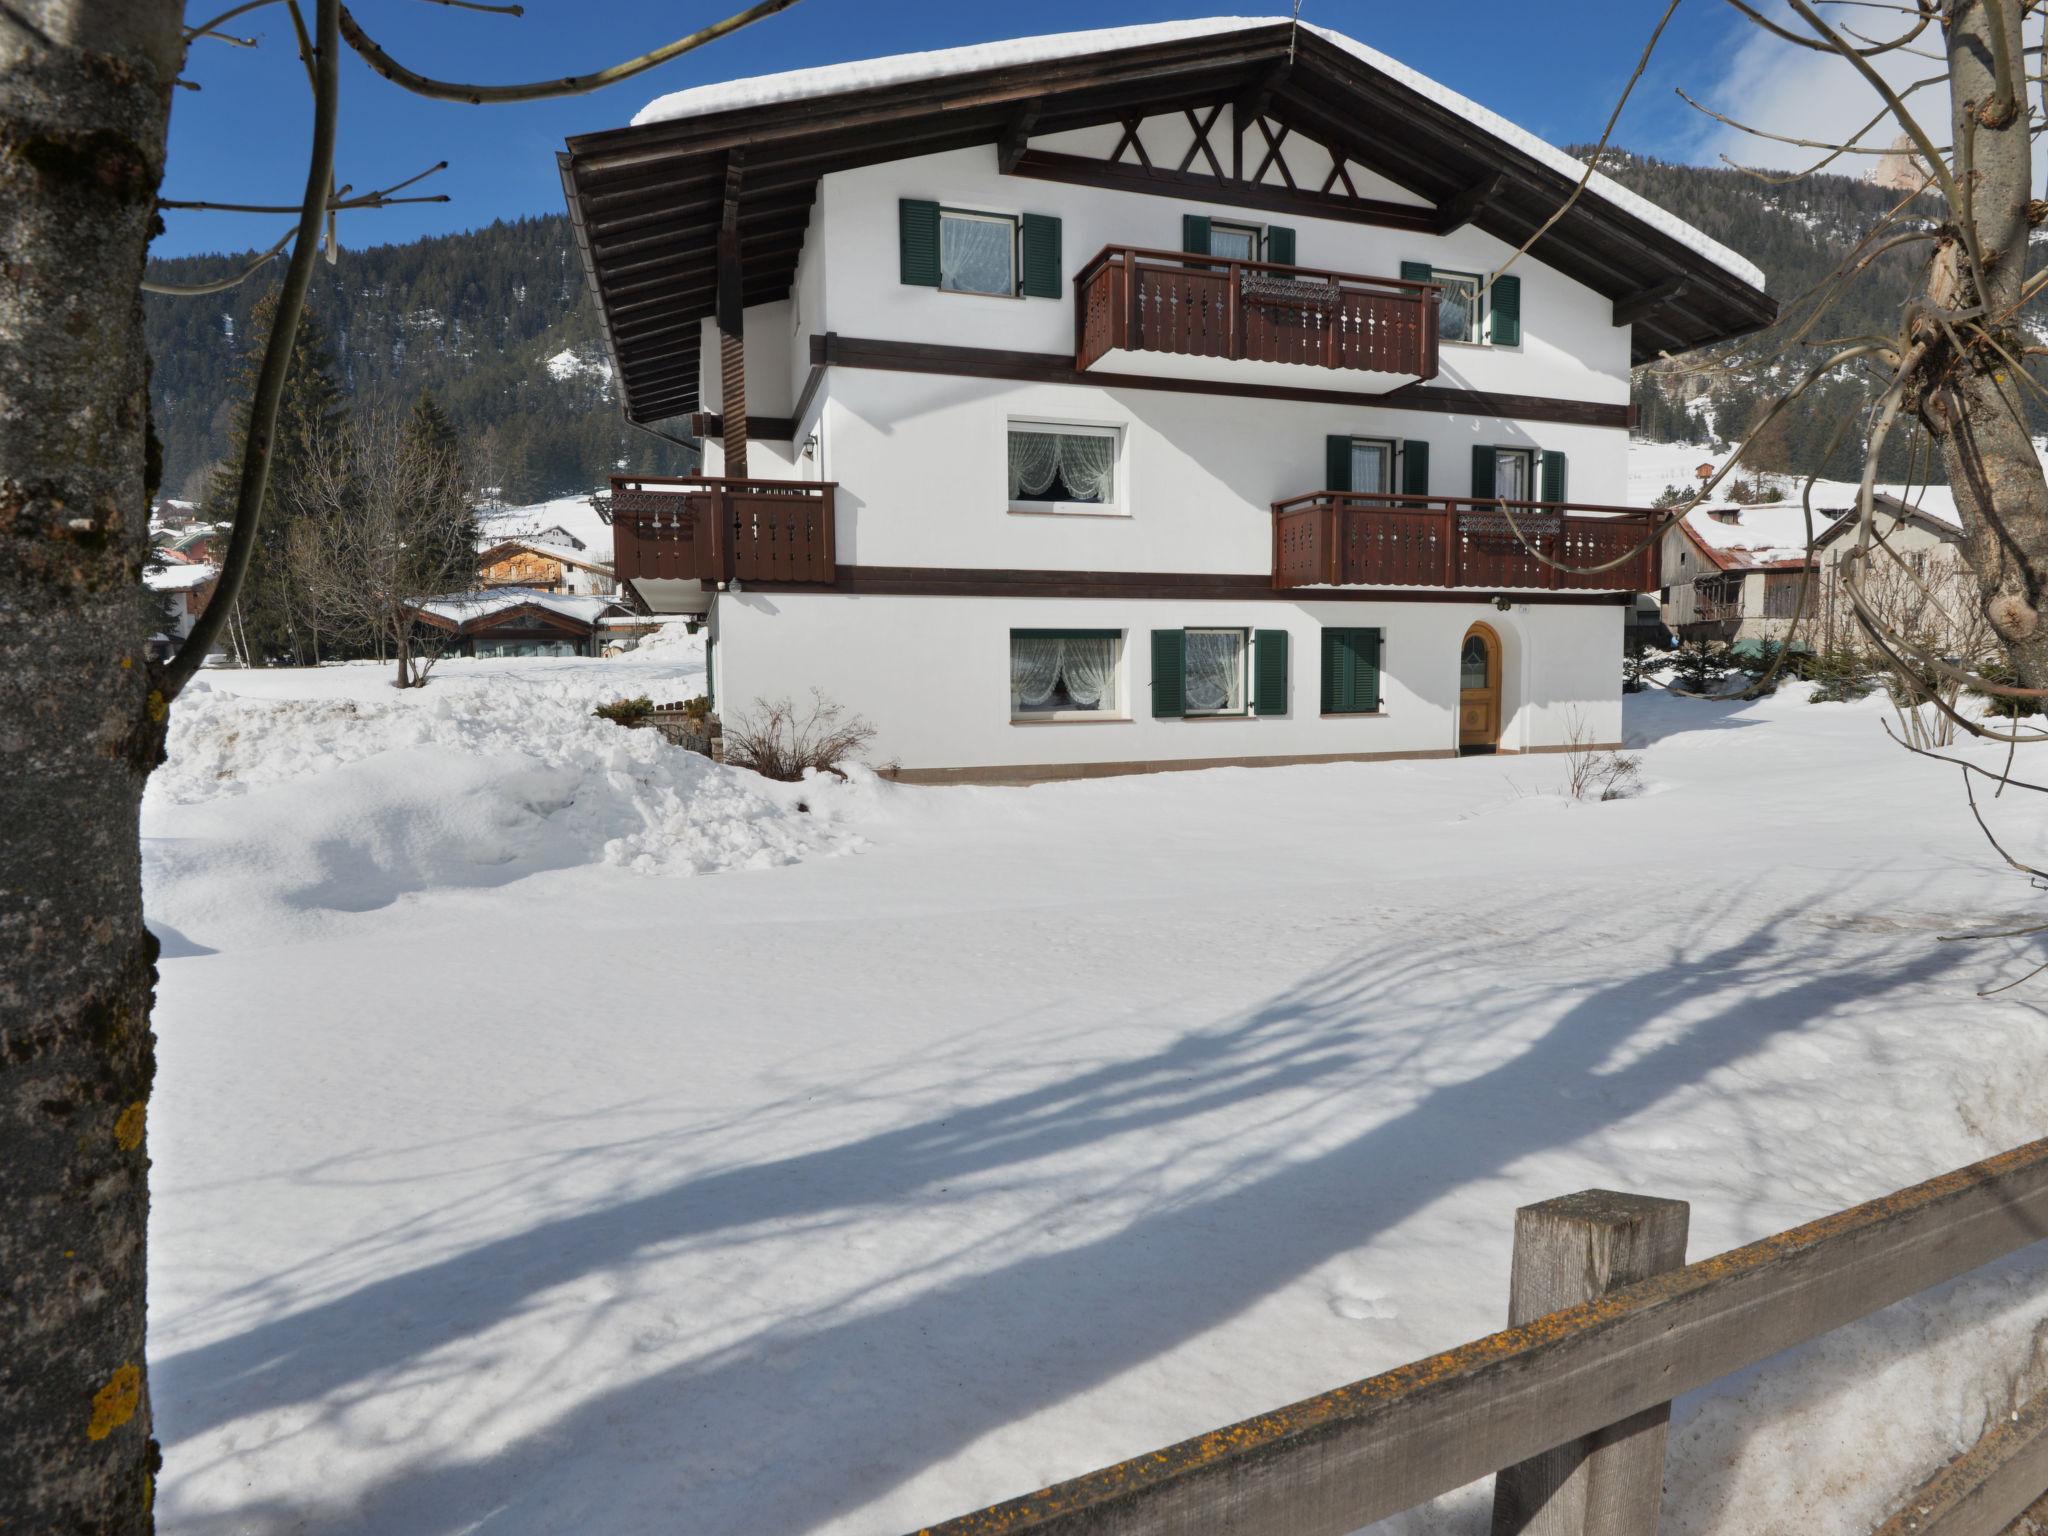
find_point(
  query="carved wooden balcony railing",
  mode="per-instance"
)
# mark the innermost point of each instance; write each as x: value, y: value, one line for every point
x: 1201, y: 306
x: 713, y: 530
x: 1355, y: 538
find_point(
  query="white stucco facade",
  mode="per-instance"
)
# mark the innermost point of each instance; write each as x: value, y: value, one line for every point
x: 918, y: 453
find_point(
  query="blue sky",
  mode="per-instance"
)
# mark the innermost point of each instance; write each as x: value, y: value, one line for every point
x: 1554, y: 66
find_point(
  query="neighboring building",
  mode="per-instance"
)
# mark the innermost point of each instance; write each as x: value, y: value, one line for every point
x: 199, y: 543
x: 1138, y: 399
x: 552, y: 561
x: 1735, y: 573
x: 184, y: 589
x: 513, y: 621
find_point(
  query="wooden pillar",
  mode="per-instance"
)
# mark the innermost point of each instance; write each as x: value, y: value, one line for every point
x: 732, y: 325
x: 1567, y: 1251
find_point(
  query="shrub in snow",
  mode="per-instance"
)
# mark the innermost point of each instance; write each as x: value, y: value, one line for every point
x: 778, y: 742
x: 1698, y: 665
x: 626, y: 712
x: 1637, y: 668
x: 1838, y: 676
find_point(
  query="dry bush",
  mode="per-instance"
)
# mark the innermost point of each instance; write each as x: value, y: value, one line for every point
x: 779, y: 742
x: 1592, y: 774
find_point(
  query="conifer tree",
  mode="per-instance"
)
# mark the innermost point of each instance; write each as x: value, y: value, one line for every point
x: 270, y: 622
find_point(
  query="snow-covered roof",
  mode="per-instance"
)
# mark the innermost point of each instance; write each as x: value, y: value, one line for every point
x: 906, y: 68
x: 554, y: 544
x: 463, y: 608
x: 568, y: 517
x: 179, y: 577
x: 1759, y: 537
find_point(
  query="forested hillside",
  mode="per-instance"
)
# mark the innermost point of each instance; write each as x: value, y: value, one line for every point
x: 1798, y: 233
x: 497, y: 322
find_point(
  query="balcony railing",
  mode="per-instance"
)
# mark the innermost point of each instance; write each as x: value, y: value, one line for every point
x: 1355, y: 538
x: 713, y: 530
x: 1200, y: 306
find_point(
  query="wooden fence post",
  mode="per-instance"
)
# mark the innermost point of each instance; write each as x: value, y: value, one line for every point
x: 1569, y: 1250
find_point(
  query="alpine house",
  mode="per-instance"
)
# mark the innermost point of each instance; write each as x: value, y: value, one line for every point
x: 1153, y: 397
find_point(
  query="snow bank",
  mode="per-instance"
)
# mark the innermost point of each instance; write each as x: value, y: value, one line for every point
x: 273, y: 812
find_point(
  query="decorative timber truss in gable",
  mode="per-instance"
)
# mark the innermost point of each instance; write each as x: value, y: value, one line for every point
x: 1235, y: 151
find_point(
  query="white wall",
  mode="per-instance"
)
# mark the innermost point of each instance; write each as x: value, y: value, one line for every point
x: 921, y: 462
x: 932, y: 674
x: 1570, y: 349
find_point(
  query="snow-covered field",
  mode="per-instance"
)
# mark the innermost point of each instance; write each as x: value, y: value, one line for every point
x: 559, y: 1134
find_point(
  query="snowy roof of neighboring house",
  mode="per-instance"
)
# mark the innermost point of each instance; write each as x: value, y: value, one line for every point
x: 1772, y: 536
x: 463, y: 609
x: 1459, y: 162
x: 905, y: 68
x: 554, y: 545
x: 565, y: 517
x: 181, y: 577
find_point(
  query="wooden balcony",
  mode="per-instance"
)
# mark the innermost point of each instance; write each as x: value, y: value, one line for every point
x: 715, y: 530
x: 1207, y: 312
x: 1352, y: 538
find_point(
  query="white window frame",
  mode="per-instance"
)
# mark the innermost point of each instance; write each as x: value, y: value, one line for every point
x: 1117, y: 709
x: 1528, y: 456
x: 1116, y: 507
x: 1244, y: 673
x: 1480, y: 336
x: 1016, y: 224
x: 1393, y: 450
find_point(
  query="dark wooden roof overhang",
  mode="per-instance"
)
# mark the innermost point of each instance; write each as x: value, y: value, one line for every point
x: 646, y: 202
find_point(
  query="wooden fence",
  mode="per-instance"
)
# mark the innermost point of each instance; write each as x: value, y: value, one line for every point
x: 1569, y: 1403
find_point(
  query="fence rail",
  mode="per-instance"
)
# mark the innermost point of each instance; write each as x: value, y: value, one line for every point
x: 704, y: 528
x: 1341, y: 538
x: 1201, y: 306
x: 1333, y: 1463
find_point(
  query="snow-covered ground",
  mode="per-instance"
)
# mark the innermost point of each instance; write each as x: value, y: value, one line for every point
x: 924, y: 1146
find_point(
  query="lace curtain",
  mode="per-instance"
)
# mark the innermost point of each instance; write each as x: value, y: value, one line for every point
x: 1084, y: 665
x: 1215, y: 671
x: 1084, y: 462
x: 977, y: 255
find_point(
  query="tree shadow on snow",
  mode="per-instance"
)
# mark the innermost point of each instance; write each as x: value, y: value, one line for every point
x: 813, y: 1416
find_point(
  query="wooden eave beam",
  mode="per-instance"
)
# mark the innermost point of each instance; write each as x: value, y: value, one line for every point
x: 1464, y: 208
x: 1632, y: 307
x: 1016, y: 134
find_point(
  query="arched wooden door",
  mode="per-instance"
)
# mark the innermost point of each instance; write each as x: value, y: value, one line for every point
x: 1479, y: 690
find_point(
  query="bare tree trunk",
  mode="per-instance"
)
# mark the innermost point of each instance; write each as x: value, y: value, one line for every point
x: 1970, y: 400
x: 84, y: 103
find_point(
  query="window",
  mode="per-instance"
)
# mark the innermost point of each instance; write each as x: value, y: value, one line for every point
x: 1065, y: 674
x: 1059, y: 468
x: 977, y: 252
x: 1372, y: 464
x: 1236, y: 242
x: 1475, y: 663
x: 1215, y: 672
x: 1351, y: 671
x: 1459, y: 319
x: 1514, y: 474
x: 1470, y: 312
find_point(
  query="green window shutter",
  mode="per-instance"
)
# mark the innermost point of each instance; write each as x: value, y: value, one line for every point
x: 1269, y: 672
x: 1553, y: 475
x: 1507, y: 311
x: 1194, y: 232
x: 917, y: 234
x: 1042, y: 261
x: 1365, y: 686
x: 1415, y: 468
x: 1280, y: 245
x: 1482, y: 472
x: 1336, y: 672
x: 1336, y: 463
x: 1417, y: 272
x: 711, y: 673
x: 1169, y: 673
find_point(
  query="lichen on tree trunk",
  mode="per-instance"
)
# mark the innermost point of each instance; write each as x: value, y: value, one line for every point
x: 1967, y: 396
x: 85, y: 91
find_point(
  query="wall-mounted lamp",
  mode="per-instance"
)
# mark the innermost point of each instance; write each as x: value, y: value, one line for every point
x: 811, y: 446
x: 1503, y: 602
